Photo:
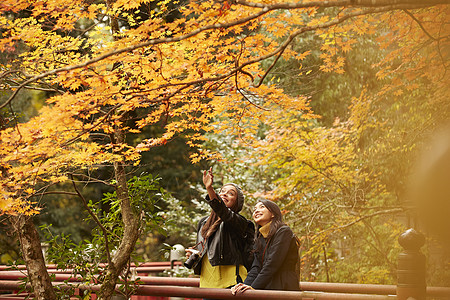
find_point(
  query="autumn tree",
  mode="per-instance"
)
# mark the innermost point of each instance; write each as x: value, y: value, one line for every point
x: 111, y: 82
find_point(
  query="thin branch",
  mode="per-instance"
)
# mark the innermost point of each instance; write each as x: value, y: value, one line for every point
x: 94, y: 217
x: 37, y: 89
x: 56, y: 193
x: 283, y: 47
x: 442, y: 57
x: 245, y: 73
x: 431, y: 37
x: 16, y: 124
x: 6, y: 73
x: 378, y: 3
x: 394, y: 4
x: 383, y: 212
x: 91, y: 179
x: 291, y: 37
x: 420, y: 25
x: 378, y: 247
x: 99, y: 122
x: 318, y: 210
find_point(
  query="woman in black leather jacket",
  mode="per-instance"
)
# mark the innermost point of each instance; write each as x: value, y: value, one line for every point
x: 275, y: 264
x: 222, y: 238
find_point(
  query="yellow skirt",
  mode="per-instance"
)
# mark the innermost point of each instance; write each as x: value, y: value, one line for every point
x: 219, y: 276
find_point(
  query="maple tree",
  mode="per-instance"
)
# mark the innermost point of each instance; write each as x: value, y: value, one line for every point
x: 108, y: 82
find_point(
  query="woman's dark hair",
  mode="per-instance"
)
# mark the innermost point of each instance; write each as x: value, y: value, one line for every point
x: 277, y: 222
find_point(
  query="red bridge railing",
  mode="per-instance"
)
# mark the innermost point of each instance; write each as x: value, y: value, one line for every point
x: 188, y: 288
x: 411, y: 282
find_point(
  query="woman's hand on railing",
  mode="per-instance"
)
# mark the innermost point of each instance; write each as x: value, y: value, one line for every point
x: 240, y: 288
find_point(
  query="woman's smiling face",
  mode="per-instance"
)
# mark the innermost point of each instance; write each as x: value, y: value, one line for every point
x: 229, y: 194
x: 261, y: 215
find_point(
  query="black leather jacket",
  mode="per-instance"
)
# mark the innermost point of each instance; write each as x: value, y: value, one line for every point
x: 226, y: 244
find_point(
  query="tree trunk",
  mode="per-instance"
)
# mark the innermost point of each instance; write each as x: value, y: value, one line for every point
x: 130, y: 232
x: 130, y: 221
x: 30, y: 245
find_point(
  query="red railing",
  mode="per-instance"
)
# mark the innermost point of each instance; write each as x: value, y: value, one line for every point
x: 188, y: 288
x: 198, y: 293
x: 411, y: 282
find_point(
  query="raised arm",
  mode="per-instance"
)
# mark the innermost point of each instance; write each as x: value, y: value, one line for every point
x: 227, y: 215
x: 208, y: 180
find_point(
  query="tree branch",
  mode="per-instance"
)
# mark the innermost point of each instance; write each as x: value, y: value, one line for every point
x: 245, y: 73
x: 431, y: 37
x: 383, y: 212
x: 343, y: 3
x: 131, y: 48
x: 90, y: 180
x: 37, y: 89
x: 278, y: 51
x: 56, y: 193
x: 98, y: 123
x: 368, y: 3
x: 420, y: 25
x: 291, y: 37
x: 384, y: 4
x: 94, y: 217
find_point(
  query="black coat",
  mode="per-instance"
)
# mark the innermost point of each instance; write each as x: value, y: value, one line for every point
x: 278, y: 270
x: 226, y: 245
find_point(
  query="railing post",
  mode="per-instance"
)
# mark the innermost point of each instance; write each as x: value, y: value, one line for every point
x: 411, y: 270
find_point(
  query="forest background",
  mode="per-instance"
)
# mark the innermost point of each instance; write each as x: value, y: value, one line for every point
x: 110, y: 110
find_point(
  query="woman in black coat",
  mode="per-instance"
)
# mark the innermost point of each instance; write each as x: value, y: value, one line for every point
x: 275, y: 263
x: 222, y: 238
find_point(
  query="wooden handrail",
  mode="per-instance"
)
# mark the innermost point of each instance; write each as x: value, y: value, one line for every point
x: 148, y: 283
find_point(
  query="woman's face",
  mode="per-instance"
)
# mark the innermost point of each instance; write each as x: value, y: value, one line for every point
x: 228, y: 193
x: 261, y: 215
